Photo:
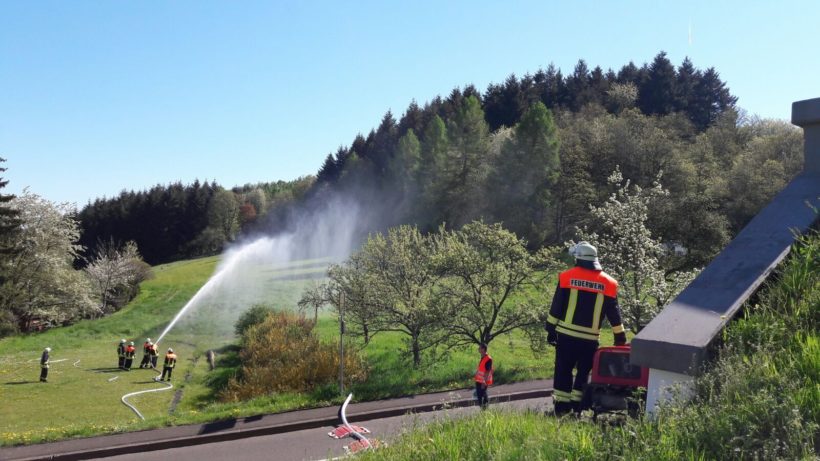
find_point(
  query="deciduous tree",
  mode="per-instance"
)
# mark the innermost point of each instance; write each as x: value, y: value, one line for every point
x: 491, y: 282
x: 41, y: 280
x: 630, y: 253
x: 115, y: 273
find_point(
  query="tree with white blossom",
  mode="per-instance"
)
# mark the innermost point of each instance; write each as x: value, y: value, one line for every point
x: 115, y: 272
x: 41, y: 282
x: 629, y: 252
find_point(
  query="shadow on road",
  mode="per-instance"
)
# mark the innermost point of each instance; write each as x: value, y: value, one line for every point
x: 217, y: 426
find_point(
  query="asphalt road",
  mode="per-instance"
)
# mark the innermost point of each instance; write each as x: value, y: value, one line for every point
x: 312, y: 444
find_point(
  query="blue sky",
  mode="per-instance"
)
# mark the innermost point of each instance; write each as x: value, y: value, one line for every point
x: 97, y: 97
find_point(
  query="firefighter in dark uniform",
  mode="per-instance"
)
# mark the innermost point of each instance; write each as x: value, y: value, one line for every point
x: 44, y: 365
x: 146, y: 353
x: 130, y: 352
x: 170, y: 363
x: 121, y: 355
x: 153, y: 352
x: 584, y: 296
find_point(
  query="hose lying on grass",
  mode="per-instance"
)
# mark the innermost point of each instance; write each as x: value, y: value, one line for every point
x: 50, y: 361
x: 125, y: 397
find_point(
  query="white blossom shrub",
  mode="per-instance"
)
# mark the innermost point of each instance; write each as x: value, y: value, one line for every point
x: 629, y: 252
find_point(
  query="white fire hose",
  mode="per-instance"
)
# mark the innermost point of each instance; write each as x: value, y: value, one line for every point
x: 124, y: 397
x: 344, y: 420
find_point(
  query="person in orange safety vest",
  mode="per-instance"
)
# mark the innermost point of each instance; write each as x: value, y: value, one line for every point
x: 130, y: 352
x: 483, y: 376
x: 168, y: 366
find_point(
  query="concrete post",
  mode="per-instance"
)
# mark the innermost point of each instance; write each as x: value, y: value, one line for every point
x: 806, y: 114
x: 666, y: 385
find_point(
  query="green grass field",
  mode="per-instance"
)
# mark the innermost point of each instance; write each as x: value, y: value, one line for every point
x: 82, y: 396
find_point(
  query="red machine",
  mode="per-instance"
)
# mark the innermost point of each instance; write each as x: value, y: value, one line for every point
x: 615, y: 382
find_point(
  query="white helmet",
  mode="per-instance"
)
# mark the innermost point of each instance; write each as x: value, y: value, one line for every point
x: 48, y: 349
x: 122, y: 341
x: 170, y: 350
x: 585, y: 252
x: 148, y: 340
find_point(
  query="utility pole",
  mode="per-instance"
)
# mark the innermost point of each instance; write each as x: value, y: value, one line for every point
x: 342, y: 343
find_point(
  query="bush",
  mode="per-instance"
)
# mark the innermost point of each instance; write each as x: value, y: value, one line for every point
x: 253, y: 316
x: 282, y: 353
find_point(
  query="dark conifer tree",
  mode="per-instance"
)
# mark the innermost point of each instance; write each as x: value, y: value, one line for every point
x: 383, y: 144
x: 657, y: 94
x: 687, y: 80
x: 359, y: 145
x: 578, y: 86
x: 712, y: 98
x: 598, y: 86
x: 504, y: 104
x: 329, y: 171
x: 9, y: 219
x: 413, y: 119
x: 553, y: 90
x: 629, y: 74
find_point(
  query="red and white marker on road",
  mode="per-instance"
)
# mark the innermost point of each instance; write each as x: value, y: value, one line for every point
x: 343, y: 431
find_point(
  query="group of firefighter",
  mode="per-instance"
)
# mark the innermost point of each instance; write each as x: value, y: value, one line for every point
x: 126, y: 353
x: 125, y: 359
x: 584, y: 297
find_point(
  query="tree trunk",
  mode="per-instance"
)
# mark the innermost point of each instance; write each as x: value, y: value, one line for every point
x: 486, y: 337
x: 416, y: 352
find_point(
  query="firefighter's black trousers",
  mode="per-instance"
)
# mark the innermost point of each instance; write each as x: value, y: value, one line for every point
x: 572, y: 354
x: 168, y: 370
x: 481, y: 395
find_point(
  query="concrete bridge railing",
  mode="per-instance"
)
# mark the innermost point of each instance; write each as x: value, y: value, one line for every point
x: 677, y: 343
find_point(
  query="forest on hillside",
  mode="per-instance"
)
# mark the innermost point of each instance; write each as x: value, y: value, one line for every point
x: 532, y: 153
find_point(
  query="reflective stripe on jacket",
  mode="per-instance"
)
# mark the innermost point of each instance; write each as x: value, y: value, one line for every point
x: 482, y: 375
x: 170, y: 360
x: 582, y: 299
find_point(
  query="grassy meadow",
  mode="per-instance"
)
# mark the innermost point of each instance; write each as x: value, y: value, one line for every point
x: 82, y: 397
